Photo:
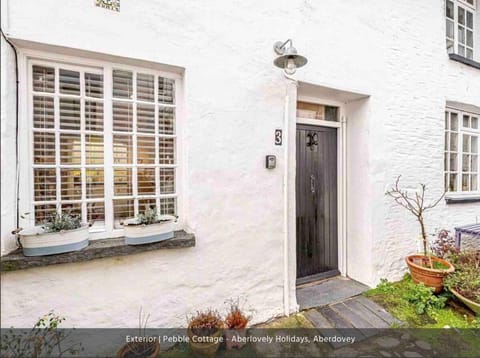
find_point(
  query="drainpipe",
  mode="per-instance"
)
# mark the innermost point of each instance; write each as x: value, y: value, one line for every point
x: 290, y: 95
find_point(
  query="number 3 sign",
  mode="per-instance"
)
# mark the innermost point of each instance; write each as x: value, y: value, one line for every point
x: 278, y: 137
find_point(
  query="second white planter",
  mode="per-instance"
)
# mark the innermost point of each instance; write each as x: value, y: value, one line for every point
x: 139, y: 234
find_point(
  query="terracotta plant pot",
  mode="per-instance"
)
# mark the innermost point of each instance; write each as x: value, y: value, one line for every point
x: 229, y: 333
x: 429, y: 277
x: 474, y: 306
x: 131, y: 349
x: 205, y: 349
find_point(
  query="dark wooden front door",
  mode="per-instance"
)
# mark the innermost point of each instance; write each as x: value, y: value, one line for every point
x: 316, y: 201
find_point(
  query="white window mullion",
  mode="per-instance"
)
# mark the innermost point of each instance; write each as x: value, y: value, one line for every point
x: 83, y: 147
x: 134, y: 145
x: 108, y: 147
x: 56, y: 105
x: 157, y: 157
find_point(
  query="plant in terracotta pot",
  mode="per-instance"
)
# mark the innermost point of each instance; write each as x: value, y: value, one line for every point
x: 425, y: 268
x: 205, y: 330
x: 464, y: 283
x: 236, y: 323
x: 143, y: 346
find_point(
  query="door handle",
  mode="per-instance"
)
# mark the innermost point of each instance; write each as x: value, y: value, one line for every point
x: 312, y: 183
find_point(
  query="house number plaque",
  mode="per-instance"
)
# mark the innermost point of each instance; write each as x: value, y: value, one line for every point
x: 278, y: 137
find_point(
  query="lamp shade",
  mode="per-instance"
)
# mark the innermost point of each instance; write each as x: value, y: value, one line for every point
x: 290, y: 53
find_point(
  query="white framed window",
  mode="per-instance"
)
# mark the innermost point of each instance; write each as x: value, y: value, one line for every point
x: 460, y: 27
x: 462, y: 148
x: 104, y: 142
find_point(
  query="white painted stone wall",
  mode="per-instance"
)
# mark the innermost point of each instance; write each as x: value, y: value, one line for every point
x: 234, y: 99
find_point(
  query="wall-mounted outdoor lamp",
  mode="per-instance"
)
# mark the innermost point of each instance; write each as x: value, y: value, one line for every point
x: 288, y: 60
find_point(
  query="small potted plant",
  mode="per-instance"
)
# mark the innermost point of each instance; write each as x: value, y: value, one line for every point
x: 425, y: 268
x: 205, y: 332
x: 236, y: 323
x: 148, y: 227
x: 145, y: 347
x: 60, y: 233
x: 464, y: 283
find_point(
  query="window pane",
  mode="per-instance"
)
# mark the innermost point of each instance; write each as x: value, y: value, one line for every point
x: 69, y: 82
x: 146, y: 118
x: 465, y: 186
x: 73, y: 209
x: 453, y: 142
x: 145, y: 87
x: 93, y: 149
x: 454, y: 122
x: 475, y: 122
x: 122, y: 84
x: 474, y: 182
x: 45, y: 184
x: 122, y: 149
x: 71, y: 184
x: 146, y: 181
x: 469, y: 54
x: 453, y: 162
x: 44, y: 148
x: 123, y: 181
x: 166, y: 120
x: 166, y: 152
x: 461, y: 34
x: 94, y: 116
x: 466, y: 163
x: 95, y: 182
x: 461, y: 15
x: 466, y: 122
x: 461, y: 50
x: 122, y: 209
x: 167, y: 181
x: 453, y: 182
x: 93, y: 85
x: 166, y: 90
x: 466, y: 143
x: 474, y: 163
x: 144, y: 204
x: 449, y: 10
x: 69, y: 113
x: 122, y: 116
x: 450, y: 26
x: 44, y: 212
x: 474, y: 147
x: 96, y: 213
x: 469, y: 20
x: 167, y: 206
x: 43, y: 112
x: 43, y: 79
x: 145, y: 150
x: 70, y: 148
x: 450, y: 46
x: 469, y: 38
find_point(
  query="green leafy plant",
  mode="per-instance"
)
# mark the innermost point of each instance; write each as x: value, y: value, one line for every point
x: 466, y: 277
x: 148, y: 217
x: 62, y: 221
x: 43, y: 340
x: 423, y: 299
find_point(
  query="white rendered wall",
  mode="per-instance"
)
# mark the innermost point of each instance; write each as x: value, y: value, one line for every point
x: 234, y: 99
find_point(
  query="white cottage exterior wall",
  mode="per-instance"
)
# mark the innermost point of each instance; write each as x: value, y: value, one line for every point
x: 392, y: 51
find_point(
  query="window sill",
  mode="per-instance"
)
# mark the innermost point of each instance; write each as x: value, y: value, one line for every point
x: 97, y: 249
x: 464, y: 60
x: 460, y: 199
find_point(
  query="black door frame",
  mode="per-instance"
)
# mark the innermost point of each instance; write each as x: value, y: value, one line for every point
x: 339, y: 155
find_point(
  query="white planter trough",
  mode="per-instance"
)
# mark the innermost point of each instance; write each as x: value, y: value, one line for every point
x: 138, y: 234
x: 36, y: 242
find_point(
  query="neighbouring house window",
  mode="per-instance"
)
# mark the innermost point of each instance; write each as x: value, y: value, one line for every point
x: 462, y: 132
x: 104, y: 143
x: 460, y: 27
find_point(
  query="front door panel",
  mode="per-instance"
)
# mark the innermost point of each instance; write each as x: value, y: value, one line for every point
x: 316, y: 200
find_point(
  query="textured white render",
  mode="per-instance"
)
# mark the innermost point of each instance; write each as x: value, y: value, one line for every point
x: 392, y: 51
